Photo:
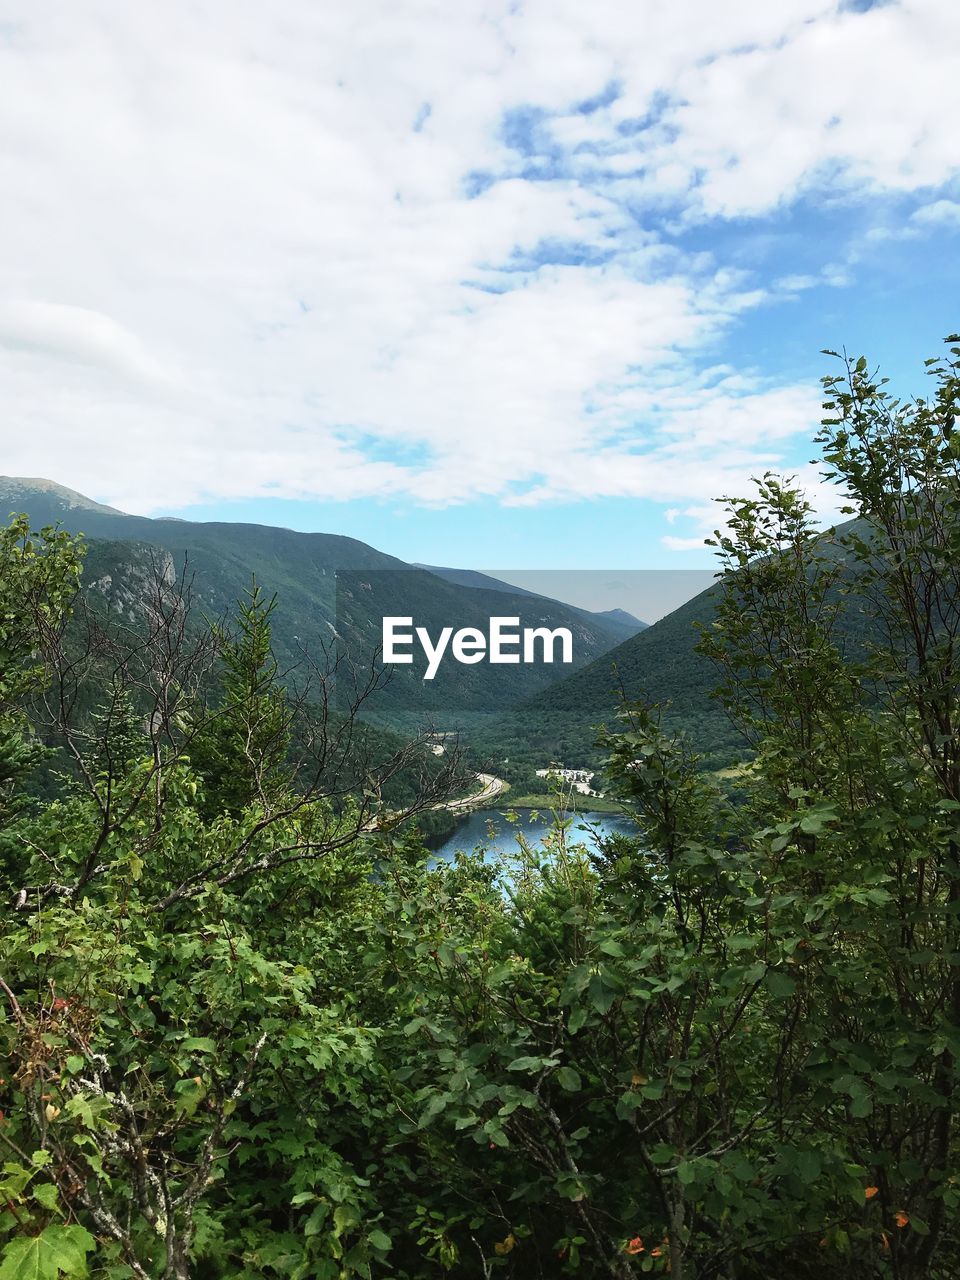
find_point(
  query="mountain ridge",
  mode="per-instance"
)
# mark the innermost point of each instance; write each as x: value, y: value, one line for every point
x: 618, y: 618
x: 659, y: 665
x: 72, y: 499
x: 314, y: 575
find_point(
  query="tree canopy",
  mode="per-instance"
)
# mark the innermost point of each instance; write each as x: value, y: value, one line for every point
x: 250, y: 1030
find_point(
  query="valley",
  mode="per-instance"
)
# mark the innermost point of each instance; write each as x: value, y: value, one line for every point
x: 332, y: 595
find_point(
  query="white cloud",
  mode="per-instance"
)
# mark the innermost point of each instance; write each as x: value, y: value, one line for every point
x: 797, y: 283
x: 940, y: 213
x: 55, y: 332
x: 937, y: 217
x: 673, y: 543
x: 239, y: 255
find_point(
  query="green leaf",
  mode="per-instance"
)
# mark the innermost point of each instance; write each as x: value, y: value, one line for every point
x: 344, y: 1217
x: 815, y: 821
x: 687, y: 1172
x: 808, y: 1166
x: 317, y: 1220
x: 571, y: 1187
x: 55, y: 1250
x: 780, y: 985
x: 568, y: 1079
x: 47, y: 1195
x: 80, y: 1108
x: 433, y: 1108
x: 576, y: 1020
x: 525, y: 1064
x: 380, y: 1240
x: 741, y: 942
x: 600, y: 995
x: 199, y: 1044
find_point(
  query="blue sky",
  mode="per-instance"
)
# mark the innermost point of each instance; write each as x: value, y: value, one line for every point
x: 486, y: 284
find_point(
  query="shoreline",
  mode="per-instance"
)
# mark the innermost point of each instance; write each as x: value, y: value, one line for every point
x: 548, y: 804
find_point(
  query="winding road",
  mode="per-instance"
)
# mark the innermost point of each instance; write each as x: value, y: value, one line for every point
x: 490, y: 786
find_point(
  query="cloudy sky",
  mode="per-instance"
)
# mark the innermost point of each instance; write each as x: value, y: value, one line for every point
x: 488, y: 282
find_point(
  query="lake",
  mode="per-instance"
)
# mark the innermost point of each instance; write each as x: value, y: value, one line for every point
x: 489, y: 828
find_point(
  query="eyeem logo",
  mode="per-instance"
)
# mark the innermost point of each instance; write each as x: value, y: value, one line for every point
x: 505, y: 643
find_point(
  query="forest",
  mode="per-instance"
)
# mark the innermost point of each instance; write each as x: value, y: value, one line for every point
x: 249, y: 1029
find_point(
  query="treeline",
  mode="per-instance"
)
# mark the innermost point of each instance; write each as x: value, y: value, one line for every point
x: 248, y: 1033
x: 119, y: 666
x: 661, y: 663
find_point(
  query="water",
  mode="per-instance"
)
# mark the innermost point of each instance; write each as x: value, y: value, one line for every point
x: 490, y: 829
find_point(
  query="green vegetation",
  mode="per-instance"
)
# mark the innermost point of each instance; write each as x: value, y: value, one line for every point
x: 659, y: 664
x: 547, y: 803
x: 665, y: 664
x: 217, y: 561
x: 248, y: 1032
x: 40, y: 575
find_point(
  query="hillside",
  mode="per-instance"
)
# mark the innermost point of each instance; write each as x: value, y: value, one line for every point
x: 621, y: 625
x: 627, y: 619
x: 303, y: 569
x: 659, y: 664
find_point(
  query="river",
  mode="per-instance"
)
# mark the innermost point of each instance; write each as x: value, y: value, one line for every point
x: 490, y: 829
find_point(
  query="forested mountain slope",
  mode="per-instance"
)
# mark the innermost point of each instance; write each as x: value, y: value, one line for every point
x: 302, y: 569
x: 660, y: 665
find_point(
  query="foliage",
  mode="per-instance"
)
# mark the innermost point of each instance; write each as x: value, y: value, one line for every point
x: 268, y: 1038
x: 241, y: 753
x: 326, y: 586
x: 38, y: 577
x: 659, y: 664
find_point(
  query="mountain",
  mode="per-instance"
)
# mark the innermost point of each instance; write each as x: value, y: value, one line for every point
x: 48, y: 495
x: 626, y: 619
x: 620, y: 624
x: 330, y: 589
x: 473, y: 578
x: 659, y: 664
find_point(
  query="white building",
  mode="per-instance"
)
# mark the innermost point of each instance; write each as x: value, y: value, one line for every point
x: 577, y: 779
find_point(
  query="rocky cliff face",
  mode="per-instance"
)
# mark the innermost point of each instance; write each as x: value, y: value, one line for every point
x: 130, y: 584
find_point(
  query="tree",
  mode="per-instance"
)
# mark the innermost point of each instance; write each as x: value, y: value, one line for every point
x: 241, y: 753
x: 841, y: 654
x: 39, y: 573
x: 269, y: 1037
x: 170, y: 972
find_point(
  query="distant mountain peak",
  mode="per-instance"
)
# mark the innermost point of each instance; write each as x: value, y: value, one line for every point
x: 13, y: 488
x: 623, y: 621
x: 621, y: 615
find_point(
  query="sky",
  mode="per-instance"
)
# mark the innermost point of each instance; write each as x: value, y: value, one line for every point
x: 497, y: 282
x: 646, y: 594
